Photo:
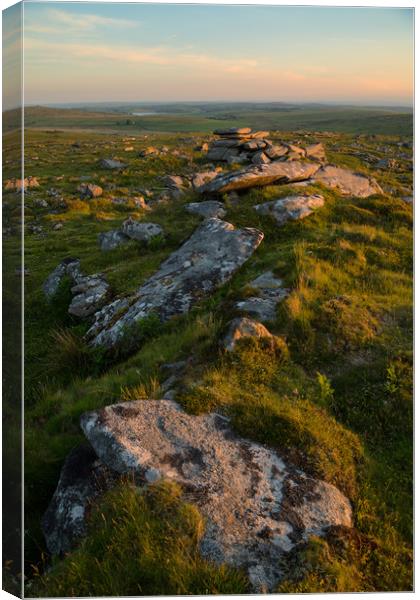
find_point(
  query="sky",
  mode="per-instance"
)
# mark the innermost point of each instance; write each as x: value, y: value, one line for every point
x: 89, y: 52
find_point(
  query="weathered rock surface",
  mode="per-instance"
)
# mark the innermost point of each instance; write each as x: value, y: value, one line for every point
x: 291, y: 207
x: 271, y: 292
x: 83, y: 477
x: 315, y: 152
x: 208, y: 209
x: 112, y: 239
x: 68, y: 267
x: 140, y: 231
x: 348, y: 182
x: 242, y: 327
x: 90, y: 294
x: 175, y: 184
x: 275, y: 172
x: 89, y: 190
x: 108, y: 163
x: 257, y: 507
x: 206, y: 260
x: 233, y: 130
x: 200, y: 179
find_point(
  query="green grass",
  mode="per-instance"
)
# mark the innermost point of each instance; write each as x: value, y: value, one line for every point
x: 150, y: 539
x: 334, y: 395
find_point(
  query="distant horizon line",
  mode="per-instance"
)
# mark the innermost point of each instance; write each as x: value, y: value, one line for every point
x: 378, y: 103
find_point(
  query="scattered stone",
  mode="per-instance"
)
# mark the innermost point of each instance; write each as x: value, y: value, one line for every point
x: 200, y: 179
x: 175, y: 185
x: 89, y: 190
x: 271, y: 292
x: 149, y: 151
x: 90, y: 294
x: 112, y: 239
x: 243, y: 327
x: 140, y: 231
x: 205, y: 261
x: 19, y: 184
x: 41, y: 203
x: 108, y: 163
x: 388, y: 164
x: 348, y: 182
x: 291, y: 207
x: 275, y: 172
x: 212, y: 208
x: 257, y: 507
x: 70, y: 267
x: 58, y: 226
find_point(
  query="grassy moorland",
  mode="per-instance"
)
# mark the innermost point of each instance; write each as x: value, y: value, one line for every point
x: 338, y: 400
x: 207, y: 117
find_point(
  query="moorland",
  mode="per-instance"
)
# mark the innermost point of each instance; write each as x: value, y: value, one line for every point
x: 327, y: 385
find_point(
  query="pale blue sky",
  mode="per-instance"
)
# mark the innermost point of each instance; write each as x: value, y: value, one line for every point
x: 133, y: 52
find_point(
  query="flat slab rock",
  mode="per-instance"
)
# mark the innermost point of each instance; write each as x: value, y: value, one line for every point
x: 260, y: 175
x: 291, y: 207
x: 206, y: 260
x: 257, y: 507
x: 348, y: 182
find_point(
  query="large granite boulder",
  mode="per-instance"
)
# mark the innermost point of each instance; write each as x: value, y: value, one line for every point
x: 291, y: 207
x: 348, y: 183
x: 260, y: 175
x: 205, y: 261
x: 257, y: 507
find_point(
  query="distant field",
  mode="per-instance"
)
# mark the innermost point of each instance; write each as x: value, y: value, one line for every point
x: 353, y: 120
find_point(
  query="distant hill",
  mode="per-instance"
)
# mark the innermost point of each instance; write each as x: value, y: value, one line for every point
x: 204, y: 117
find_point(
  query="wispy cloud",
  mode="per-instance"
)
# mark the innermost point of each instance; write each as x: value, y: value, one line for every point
x: 87, y: 21
x: 57, y: 21
x: 158, y: 55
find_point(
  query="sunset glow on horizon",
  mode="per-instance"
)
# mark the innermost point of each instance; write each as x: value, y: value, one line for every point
x: 132, y: 52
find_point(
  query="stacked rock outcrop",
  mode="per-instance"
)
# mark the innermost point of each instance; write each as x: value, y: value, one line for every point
x: 246, y: 146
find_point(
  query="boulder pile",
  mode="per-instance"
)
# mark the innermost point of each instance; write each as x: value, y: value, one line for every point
x: 246, y: 146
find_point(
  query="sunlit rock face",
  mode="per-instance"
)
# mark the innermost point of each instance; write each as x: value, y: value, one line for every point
x: 257, y: 507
